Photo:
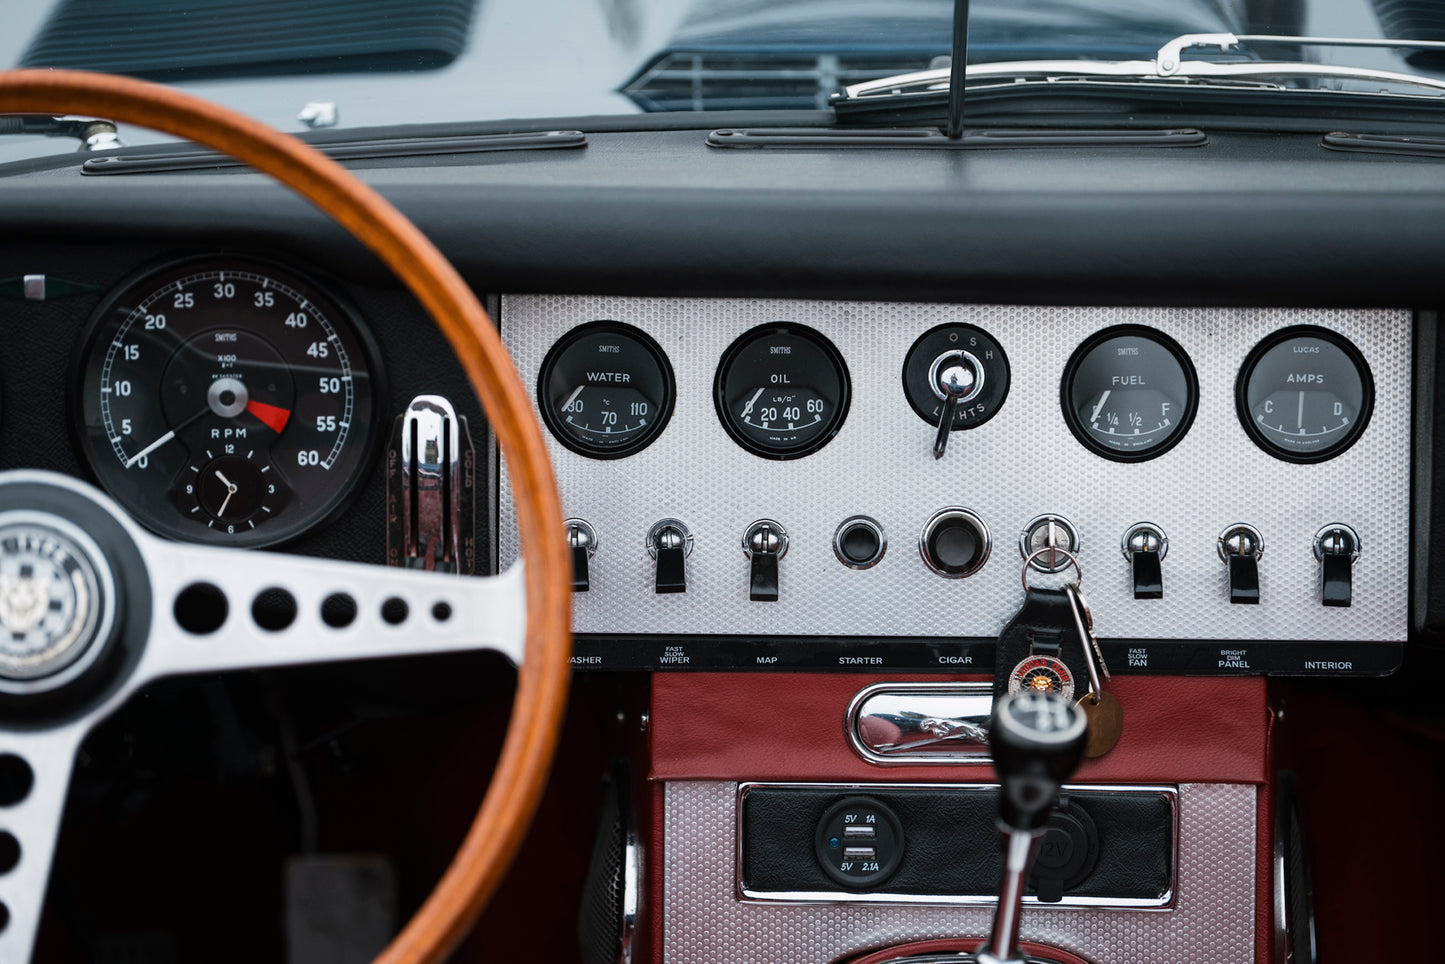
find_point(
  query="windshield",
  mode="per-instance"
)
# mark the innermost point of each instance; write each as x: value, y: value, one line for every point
x: 367, y: 63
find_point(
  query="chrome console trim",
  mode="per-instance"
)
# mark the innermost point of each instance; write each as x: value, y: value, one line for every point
x: 947, y: 724
x: 1284, y: 924
x: 1164, y: 902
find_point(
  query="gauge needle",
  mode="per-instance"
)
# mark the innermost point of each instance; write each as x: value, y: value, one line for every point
x: 1301, y: 411
x: 273, y: 417
x: 150, y: 448
x: 1100, y: 407
x: 749, y: 406
x: 567, y: 405
x: 230, y: 491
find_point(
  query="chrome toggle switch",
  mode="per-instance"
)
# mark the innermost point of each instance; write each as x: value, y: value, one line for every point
x: 669, y: 542
x: 582, y: 543
x: 1145, y: 545
x: 1240, y: 546
x: 1337, y: 546
x: 764, y: 544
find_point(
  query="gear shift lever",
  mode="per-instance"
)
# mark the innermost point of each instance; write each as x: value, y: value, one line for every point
x: 1037, y: 740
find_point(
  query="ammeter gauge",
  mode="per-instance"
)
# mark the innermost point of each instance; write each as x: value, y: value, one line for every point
x: 782, y: 391
x: 606, y: 390
x: 1305, y: 394
x: 1129, y: 393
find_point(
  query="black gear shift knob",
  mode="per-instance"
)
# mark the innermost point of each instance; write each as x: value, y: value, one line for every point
x: 1037, y: 741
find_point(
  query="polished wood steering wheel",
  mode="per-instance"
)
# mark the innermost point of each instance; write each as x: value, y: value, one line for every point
x: 543, y: 669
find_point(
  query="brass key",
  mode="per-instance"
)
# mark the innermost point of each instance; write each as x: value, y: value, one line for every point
x: 1103, y: 710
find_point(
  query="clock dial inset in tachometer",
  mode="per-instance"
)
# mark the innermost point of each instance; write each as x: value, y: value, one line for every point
x: 1305, y: 394
x: 226, y: 401
x: 606, y: 390
x: 1129, y: 393
x: 782, y: 391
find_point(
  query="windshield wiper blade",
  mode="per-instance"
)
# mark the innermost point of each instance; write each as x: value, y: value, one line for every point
x: 1169, y: 67
x: 94, y: 133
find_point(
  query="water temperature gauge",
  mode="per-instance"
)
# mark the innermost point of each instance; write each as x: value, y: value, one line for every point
x: 1129, y: 393
x: 606, y: 390
x: 782, y: 391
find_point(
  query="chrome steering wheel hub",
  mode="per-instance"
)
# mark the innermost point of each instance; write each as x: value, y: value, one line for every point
x: 57, y: 602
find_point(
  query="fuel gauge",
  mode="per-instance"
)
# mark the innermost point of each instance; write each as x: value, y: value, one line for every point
x: 1129, y: 393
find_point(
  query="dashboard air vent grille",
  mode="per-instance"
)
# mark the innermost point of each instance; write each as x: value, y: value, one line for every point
x: 760, y: 80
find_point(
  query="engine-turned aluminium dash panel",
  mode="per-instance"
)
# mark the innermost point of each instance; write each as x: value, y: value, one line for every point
x: 1321, y: 526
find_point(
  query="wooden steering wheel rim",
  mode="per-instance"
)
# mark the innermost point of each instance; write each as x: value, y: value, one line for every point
x: 540, y: 701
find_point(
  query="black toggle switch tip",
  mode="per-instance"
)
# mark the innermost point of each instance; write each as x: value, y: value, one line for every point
x: 1148, y: 575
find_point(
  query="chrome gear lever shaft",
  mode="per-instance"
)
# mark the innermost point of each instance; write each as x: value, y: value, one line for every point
x: 1037, y: 741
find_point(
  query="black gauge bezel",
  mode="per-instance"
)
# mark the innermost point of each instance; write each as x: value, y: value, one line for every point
x: 840, y: 370
x: 1085, y: 348
x: 240, y: 260
x: 553, y: 420
x: 1275, y: 339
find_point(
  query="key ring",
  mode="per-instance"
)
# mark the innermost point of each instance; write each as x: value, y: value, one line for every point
x: 1077, y: 607
x: 1028, y: 564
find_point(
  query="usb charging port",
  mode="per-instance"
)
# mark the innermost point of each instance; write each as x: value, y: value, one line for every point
x: 858, y: 831
x: 860, y: 853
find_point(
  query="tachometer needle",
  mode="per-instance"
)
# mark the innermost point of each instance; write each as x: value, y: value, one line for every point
x: 150, y: 448
x: 272, y: 416
x: 230, y: 491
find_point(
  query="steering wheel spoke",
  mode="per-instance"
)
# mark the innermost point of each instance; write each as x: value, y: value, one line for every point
x: 218, y: 609
x: 35, y: 766
x: 93, y: 651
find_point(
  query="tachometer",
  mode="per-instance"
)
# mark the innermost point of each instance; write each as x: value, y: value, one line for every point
x: 226, y: 401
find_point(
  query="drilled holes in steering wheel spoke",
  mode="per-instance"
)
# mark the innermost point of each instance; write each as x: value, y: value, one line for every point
x: 220, y: 609
x: 29, y: 823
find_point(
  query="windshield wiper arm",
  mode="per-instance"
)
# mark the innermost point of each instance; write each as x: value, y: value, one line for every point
x: 94, y: 133
x: 1168, y: 66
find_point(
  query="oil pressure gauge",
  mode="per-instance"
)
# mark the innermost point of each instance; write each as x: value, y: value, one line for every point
x: 782, y: 391
x: 1129, y: 393
x: 606, y: 390
x: 1305, y: 394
